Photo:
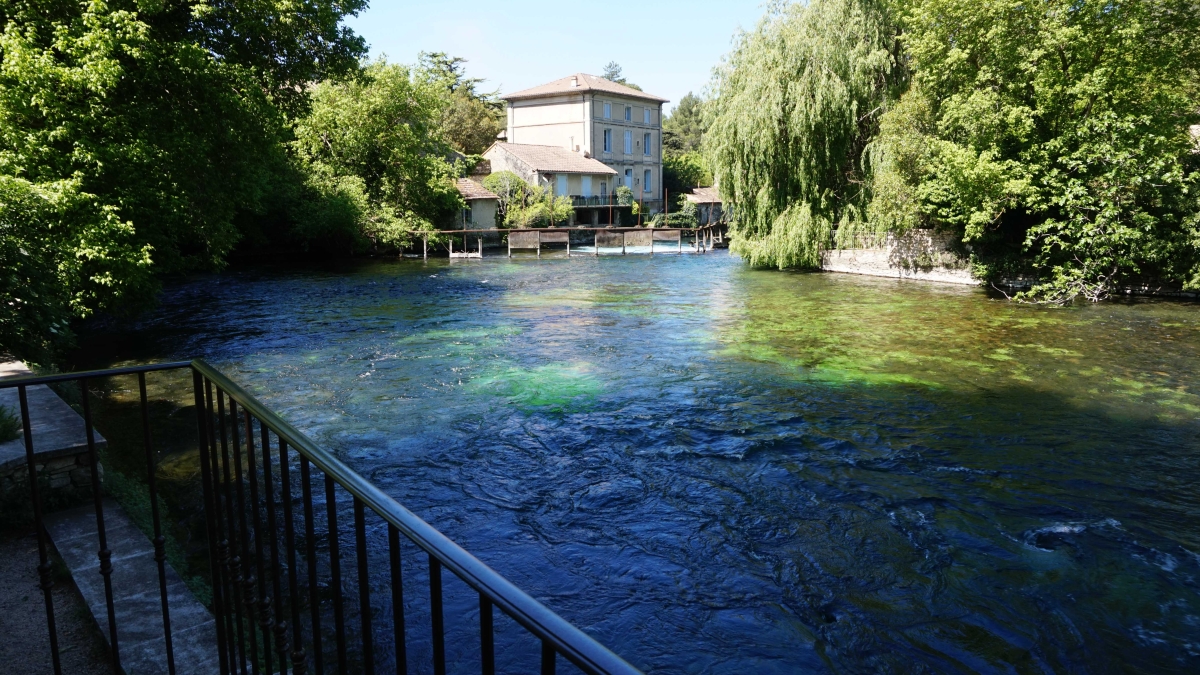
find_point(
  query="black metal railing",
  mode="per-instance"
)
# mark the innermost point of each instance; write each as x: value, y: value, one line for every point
x: 278, y: 598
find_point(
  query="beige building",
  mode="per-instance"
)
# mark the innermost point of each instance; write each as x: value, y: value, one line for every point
x: 598, y: 119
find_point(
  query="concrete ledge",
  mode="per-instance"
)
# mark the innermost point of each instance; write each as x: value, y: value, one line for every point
x: 59, y: 439
x: 136, y: 595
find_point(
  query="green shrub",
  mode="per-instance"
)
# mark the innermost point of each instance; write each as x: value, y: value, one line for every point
x: 10, y: 425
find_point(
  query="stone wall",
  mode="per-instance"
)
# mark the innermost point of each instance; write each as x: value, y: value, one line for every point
x: 919, y: 254
x: 63, y: 480
x: 60, y: 450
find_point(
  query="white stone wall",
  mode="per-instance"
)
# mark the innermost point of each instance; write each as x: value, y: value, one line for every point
x: 920, y: 254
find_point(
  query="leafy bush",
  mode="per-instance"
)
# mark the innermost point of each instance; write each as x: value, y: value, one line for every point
x: 624, y: 196
x: 540, y: 208
x: 1054, y: 135
x: 688, y: 216
x: 375, y: 158
x: 10, y: 425
x: 510, y: 188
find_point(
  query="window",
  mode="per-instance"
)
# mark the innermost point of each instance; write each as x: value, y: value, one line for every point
x: 629, y: 142
x: 629, y: 177
x: 646, y: 181
x: 467, y: 215
x: 628, y: 113
x: 646, y: 144
x: 608, y: 111
x: 608, y: 140
x: 561, y: 190
x: 586, y: 185
x: 646, y: 115
x: 603, y: 189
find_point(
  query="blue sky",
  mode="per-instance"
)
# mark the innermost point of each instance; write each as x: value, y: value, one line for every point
x: 667, y: 47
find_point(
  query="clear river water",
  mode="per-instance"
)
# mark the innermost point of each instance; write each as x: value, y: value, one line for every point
x: 713, y: 469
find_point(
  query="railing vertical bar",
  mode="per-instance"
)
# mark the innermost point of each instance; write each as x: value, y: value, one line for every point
x: 246, y: 571
x: 285, y: 494
x: 397, y: 600
x: 279, y: 624
x: 235, y: 562
x: 364, y: 588
x: 104, y: 554
x: 224, y: 615
x: 199, y: 386
x: 160, y: 555
x: 435, y: 615
x: 548, y: 658
x: 314, y: 600
x: 263, y: 610
x: 335, y: 572
x: 487, y: 645
x: 46, y: 580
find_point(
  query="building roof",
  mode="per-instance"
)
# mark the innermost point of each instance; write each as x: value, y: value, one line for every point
x: 704, y: 195
x: 579, y: 83
x: 473, y: 189
x: 553, y: 159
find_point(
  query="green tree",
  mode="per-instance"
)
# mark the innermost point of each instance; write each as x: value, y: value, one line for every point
x: 146, y: 129
x: 471, y: 119
x: 612, y: 73
x: 795, y: 105
x: 683, y: 129
x: 510, y: 188
x: 1052, y: 138
x: 373, y: 146
x: 682, y: 172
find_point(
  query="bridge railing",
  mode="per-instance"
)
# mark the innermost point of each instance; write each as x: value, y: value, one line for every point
x: 278, y: 599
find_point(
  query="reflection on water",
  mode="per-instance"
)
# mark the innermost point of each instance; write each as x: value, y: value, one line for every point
x: 719, y: 470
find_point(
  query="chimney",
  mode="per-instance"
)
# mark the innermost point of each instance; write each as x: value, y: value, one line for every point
x: 574, y: 81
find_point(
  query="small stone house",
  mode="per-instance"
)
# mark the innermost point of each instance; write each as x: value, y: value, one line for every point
x: 708, y: 204
x: 482, y: 205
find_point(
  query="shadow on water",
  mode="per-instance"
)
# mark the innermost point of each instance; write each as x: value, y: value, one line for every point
x: 716, y: 470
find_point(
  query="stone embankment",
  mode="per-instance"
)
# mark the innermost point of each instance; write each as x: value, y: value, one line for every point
x: 920, y: 254
x: 60, y: 448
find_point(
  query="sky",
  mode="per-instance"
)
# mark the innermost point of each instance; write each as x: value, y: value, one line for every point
x: 668, y: 47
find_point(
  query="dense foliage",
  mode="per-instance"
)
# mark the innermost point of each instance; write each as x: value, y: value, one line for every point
x: 377, y: 166
x: 683, y: 129
x: 471, y: 119
x: 795, y: 105
x: 1052, y: 138
x: 140, y: 139
x: 138, y: 131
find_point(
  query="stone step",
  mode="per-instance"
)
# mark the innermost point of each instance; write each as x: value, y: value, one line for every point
x: 136, y: 595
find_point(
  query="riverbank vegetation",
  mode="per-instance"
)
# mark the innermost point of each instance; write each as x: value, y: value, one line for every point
x: 1051, y: 139
x: 140, y: 140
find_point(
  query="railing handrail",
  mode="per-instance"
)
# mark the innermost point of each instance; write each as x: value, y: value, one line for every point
x: 577, y: 646
x: 31, y: 380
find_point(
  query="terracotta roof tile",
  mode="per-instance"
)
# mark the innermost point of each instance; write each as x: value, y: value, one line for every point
x: 553, y: 159
x: 579, y: 83
x: 704, y: 195
x: 473, y: 189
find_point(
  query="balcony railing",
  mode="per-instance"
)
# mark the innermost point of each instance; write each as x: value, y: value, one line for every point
x: 262, y: 485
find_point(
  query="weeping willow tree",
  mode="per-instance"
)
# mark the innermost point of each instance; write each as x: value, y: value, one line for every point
x: 795, y: 105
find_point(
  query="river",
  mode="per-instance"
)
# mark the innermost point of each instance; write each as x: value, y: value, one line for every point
x: 713, y: 469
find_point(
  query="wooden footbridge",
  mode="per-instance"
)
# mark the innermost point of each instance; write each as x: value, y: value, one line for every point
x: 607, y: 240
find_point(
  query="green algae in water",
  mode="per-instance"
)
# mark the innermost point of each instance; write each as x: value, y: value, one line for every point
x: 559, y: 386
x: 818, y: 329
